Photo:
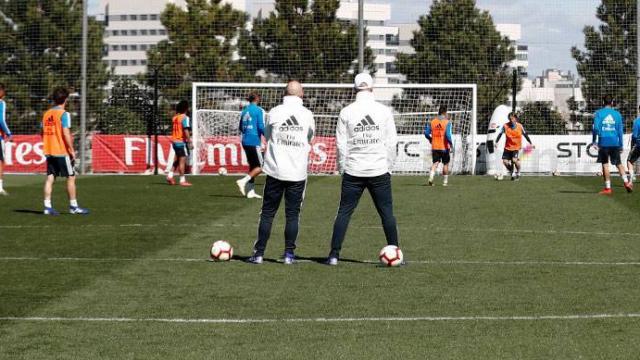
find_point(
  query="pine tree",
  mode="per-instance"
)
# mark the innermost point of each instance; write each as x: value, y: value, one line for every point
x: 303, y: 40
x: 458, y: 43
x: 608, y: 62
x: 41, y: 49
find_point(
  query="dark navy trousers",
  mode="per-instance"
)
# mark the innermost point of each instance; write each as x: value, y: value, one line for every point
x: 352, y: 188
x: 274, y: 190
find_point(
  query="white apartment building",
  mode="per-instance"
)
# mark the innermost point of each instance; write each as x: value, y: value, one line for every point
x: 132, y: 28
x: 382, y: 38
x: 514, y: 33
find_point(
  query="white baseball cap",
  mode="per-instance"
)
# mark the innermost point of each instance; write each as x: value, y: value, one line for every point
x: 363, y: 81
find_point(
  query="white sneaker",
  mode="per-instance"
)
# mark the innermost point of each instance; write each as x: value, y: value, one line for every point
x: 242, y: 186
x: 4, y: 193
x: 445, y: 184
x: 252, y: 195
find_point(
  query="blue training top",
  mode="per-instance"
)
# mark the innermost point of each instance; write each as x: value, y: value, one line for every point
x: 635, y: 135
x: 251, y: 125
x: 608, y: 128
x: 4, y: 129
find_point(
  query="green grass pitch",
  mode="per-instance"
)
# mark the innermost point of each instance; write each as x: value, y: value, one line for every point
x: 497, y: 270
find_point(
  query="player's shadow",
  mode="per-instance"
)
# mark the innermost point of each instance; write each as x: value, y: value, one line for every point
x: 322, y: 260
x: 246, y: 259
x: 576, y: 192
x: 28, y: 211
x: 227, y: 196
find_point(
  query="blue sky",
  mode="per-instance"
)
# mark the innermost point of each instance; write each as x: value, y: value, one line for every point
x: 549, y: 27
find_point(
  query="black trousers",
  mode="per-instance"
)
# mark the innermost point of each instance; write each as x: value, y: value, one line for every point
x: 352, y: 188
x: 274, y: 190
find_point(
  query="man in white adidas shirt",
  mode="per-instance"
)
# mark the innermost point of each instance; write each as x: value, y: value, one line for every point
x: 289, y: 130
x: 366, y: 140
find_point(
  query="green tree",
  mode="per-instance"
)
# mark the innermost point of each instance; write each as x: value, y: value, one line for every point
x: 201, y: 47
x: 458, y: 43
x: 129, y: 109
x: 303, y: 40
x: 608, y: 61
x: 41, y: 49
x: 540, y: 119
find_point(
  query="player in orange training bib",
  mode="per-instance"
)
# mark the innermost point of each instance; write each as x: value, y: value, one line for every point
x: 513, y: 131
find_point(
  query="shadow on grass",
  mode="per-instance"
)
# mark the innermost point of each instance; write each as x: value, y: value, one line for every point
x: 28, y: 211
x: 227, y: 196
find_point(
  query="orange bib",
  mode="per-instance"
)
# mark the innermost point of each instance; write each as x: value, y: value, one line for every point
x: 52, y: 140
x: 514, y: 137
x: 439, y: 134
x: 177, y: 132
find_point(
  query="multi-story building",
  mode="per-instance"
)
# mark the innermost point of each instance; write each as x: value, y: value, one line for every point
x: 514, y: 33
x: 382, y: 38
x: 133, y: 27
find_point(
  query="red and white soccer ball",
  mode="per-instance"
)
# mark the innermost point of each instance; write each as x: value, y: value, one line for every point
x: 391, y: 255
x: 221, y: 251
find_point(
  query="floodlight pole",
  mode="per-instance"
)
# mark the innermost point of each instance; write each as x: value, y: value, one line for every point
x: 514, y: 90
x: 360, y: 36
x: 83, y: 90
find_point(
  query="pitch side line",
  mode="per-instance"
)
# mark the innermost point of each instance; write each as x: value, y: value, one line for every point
x: 423, y: 262
x: 478, y: 230
x: 328, y: 320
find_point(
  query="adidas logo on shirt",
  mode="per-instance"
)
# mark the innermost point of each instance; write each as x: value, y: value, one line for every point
x: 366, y: 124
x: 291, y: 124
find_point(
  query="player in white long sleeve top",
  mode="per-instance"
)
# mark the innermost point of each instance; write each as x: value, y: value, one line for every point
x: 366, y: 139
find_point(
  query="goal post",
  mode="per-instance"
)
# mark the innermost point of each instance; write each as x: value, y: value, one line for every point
x: 217, y: 107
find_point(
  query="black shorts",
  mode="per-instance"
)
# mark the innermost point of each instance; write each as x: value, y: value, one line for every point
x: 634, y: 154
x: 1, y: 150
x: 254, y: 157
x: 60, y: 166
x: 180, y: 151
x: 440, y: 156
x: 510, y: 154
x: 606, y: 154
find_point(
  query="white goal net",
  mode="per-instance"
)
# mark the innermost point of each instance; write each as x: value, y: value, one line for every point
x: 217, y: 107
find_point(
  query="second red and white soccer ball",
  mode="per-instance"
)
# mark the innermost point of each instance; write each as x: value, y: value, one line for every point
x: 221, y: 251
x: 391, y: 255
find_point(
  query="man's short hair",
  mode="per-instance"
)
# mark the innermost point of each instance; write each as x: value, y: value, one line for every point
x: 607, y: 100
x: 442, y: 110
x: 513, y: 115
x: 253, y: 96
x: 59, y: 95
x: 182, y: 106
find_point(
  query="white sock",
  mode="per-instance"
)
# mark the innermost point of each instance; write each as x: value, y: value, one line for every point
x: 183, y: 179
x: 170, y: 175
x: 607, y: 184
x: 47, y: 204
x: 73, y: 203
x: 246, y: 179
x: 1, y: 184
x: 625, y: 178
x: 446, y: 179
x: 431, y: 176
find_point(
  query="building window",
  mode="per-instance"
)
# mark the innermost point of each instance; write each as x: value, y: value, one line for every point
x: 124, y: 47
x: 522, y: 57
x: 523, y: 48
x: 133, y: 17
x: 391, y: 68
x: 392, y: 40
x: 162, y: 32
x: 114, y: 32
x: 133, y: 47
x: 144, y: 47
x: 144, y: 17
x: 143, y: 62
x: 391, y: 51
x: 114, y: 62
x: 124, y: 32
x: 153, y: 32
x: 143, y: 32
x: 133, y: 62
x: 121, y: 17
x: 133, y: 32
x: 153, y: 17
x: 123, y: 62
x: 115, y: 47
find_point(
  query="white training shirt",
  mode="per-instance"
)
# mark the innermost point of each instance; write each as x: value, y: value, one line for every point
x: 366, y: 137
x: 289, y: 129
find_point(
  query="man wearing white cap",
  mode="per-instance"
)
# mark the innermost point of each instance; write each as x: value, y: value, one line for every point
x: 366, y: 140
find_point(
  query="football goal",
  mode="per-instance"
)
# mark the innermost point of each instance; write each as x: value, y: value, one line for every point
x: 217, y: 107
